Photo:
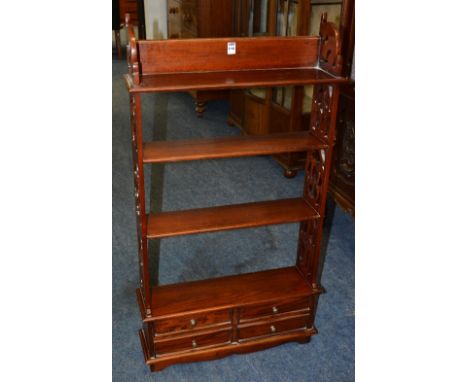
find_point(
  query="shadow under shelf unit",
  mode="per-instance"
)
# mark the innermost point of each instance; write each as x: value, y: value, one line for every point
x: 213, y: 318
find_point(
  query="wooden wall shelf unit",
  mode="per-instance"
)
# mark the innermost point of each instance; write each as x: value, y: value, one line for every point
x: 213, y: 318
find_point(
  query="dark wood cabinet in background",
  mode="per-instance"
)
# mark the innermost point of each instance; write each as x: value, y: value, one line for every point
x: 136, y: 10
x: 287, y: 109
x: 280, y: 109
x: 341, y: 185
x: 200, y: 18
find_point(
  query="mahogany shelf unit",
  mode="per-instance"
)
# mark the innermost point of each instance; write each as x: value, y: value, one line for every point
x: 209, y: 319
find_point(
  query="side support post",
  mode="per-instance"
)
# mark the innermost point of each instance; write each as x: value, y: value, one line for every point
x: 323, y: 118
x: 317, y: 172
x: 139, y: 183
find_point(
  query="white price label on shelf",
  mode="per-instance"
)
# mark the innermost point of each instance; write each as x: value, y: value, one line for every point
x: 231, y: 48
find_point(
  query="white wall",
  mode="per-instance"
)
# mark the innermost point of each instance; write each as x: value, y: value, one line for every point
x: 156, y: 19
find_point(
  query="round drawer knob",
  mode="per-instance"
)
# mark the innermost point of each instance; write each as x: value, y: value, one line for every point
x: 193, y: 322
x: 275, y: 310
x: 194, y: 343
x: 272, y: 328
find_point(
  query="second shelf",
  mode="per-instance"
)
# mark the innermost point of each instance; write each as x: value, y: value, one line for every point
x: 229, y: 147
x: 221, y: 218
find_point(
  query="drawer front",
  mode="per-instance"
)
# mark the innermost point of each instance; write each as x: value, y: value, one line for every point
x: 190, y: 322
x: 273, y: 327
x: 193, y: 342
x: 256, y: 311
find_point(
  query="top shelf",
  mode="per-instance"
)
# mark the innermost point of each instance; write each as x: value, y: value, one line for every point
x: 234, y: 79
x: 179, y: 65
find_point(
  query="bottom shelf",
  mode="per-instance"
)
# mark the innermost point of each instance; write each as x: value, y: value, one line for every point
x: 226, y: 292
x: 208, y: 319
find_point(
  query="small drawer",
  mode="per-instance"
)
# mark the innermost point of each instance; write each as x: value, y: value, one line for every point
x: 256, y: 311
x: 273, y: 327
x: 190, y: 322
x: 193, y: 342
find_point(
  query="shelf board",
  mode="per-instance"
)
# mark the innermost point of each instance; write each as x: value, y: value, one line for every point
x: 212, y: 219
x: 227, y: 292
x: 232, y: 79
x: 229, y: 147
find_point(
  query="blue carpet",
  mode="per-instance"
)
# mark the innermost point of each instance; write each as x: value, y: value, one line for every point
x: 330, y: 354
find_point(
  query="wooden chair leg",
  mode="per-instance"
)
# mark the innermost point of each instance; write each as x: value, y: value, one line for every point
x: 289, y: 173
x: 200, y: 107
x: 117, y: 43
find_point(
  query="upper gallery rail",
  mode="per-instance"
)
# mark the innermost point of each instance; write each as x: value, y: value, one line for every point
x: 152, y: 57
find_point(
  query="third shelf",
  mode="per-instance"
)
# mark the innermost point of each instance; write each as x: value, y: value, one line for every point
x: 221, y: 218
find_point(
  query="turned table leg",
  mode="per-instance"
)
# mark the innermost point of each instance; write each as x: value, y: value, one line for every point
x: 200, y: 107
x: 289, y: 173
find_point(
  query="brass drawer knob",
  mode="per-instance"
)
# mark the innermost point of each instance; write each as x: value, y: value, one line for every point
x: 275, y: 310
x: 193, y: 322
x: 194, y: 344
x: 272, y: 328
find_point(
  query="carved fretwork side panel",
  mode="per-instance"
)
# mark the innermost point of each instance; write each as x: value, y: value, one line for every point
x: 315, y: 177
x: 321, y: 111
x: 306, y: 246
x: 317, y: 170
x: 138, y: 178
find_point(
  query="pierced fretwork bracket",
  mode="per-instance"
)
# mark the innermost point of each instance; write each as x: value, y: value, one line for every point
x: 330, y: 58
x: 317, y: 170
x: 132, y: 51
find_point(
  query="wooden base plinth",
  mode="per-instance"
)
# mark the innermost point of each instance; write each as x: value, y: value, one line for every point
x: 210, y: 353
x: 209, y: 319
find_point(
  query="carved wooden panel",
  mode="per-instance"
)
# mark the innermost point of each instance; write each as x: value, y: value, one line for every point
x: 139, y: 193
x: 320, y: 113
x: 317, y: 169
x: 330, y: 50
